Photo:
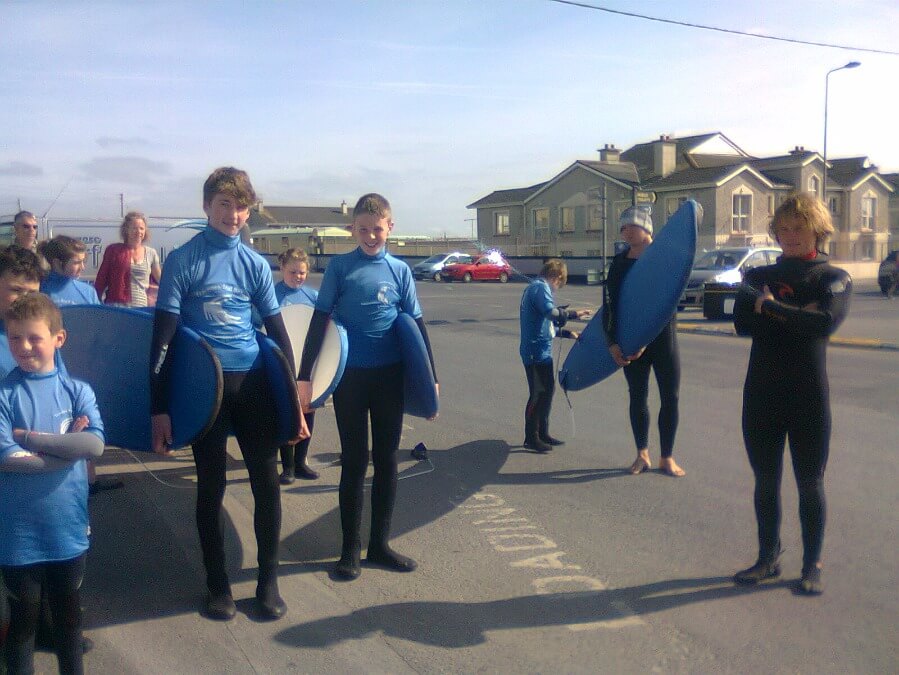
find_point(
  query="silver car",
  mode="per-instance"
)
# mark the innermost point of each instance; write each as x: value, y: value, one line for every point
x: 724, y: 266
x: 432, y: 267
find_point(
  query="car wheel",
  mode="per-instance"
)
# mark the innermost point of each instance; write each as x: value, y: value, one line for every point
x: 503, y: 277
x: 437, y: 276
x: 467, y: 278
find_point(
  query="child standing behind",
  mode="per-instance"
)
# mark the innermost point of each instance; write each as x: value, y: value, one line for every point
x: 540, y: 322
x: 366, y: 289
x: 290, y: 291
x: 66, y: 258
x: 43, y: 514
x: 21, y: 272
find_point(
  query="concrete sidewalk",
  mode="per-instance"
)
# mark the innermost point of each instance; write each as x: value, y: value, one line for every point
x: 145, y: 583
x: 727, y: 329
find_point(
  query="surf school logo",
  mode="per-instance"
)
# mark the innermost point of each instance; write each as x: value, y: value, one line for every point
x: 383, y: 290
x: 215, y: 313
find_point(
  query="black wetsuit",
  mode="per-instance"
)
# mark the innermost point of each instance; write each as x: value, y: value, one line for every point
x: 661, y: 355
x: 786, y: 394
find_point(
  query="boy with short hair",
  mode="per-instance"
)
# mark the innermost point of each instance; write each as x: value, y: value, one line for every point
x: 49, y: 424
x: 21, y: 272
x: 211, y: 284
x: 366, y: 289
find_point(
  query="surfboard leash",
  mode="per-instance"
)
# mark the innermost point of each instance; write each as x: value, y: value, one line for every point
x: 153, y: 473
x: 565, y: 391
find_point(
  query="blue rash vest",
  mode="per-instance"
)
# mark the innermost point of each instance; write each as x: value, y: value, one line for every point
x: 295, y: 296
x: 7, y: 362
x: 537, y: 329
x: 366, y: 293
x: 43, y: 516
x: 213, y: 282
x: 65, y: 291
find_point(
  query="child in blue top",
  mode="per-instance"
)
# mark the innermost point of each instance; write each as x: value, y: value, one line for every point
x: 66, y: 258
x: 541, y: 321
x: 21, y: 271
x: 211, y: 284
x: 290, y: 291
x: 365, y: 290
x: 49, y: 424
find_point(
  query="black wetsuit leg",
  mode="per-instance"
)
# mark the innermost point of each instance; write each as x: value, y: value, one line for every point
x: 666, y: 366
x: 637, y: 375
x: 541, y: 387
x: 764, y: 434
x: 377, y: 392
x: 247, y: 407
x: 63, y: 582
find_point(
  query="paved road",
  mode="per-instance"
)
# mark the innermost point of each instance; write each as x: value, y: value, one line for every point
x: 529, y: 563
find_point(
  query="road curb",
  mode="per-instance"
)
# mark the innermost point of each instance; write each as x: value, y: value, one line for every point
x: 855, y: 343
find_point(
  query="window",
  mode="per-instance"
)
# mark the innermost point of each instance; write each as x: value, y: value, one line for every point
x: 833, y: 203
x: 672, y: 204
x: 594, y: 222
x: 868, y: 249
x: 814, y: 185
x: 285, y: 243
x: 566, y: 219
x: 869, y: 211
x: 541, y: 224
x: 742, y: 212
x: 500, y: 223
x: 770, y: 205
x: 566, y: 254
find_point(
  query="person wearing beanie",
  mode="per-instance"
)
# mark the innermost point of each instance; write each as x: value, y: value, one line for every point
x: 660, y: 355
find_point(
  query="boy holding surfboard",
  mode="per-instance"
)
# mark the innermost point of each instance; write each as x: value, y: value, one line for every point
x: 49, y: 424
x: 211, y: 284
x: 541, y: 321
x: 365, y: 290
x: 290, y: 291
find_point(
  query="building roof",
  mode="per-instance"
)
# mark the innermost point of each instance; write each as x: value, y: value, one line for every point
x: 622, y: 171
x: 300, y: 216
x: 709, y: 176
x: 699, y: 147
x: 507, y: 197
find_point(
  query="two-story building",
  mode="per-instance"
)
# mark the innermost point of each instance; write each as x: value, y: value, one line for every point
x: 576, y: 212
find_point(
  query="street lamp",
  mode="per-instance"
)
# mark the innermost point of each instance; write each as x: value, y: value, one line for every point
x: 851, y: 64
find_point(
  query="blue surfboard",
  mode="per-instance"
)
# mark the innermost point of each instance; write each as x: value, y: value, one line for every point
x: 109, y: 348
x: 649, y: 297
x: 283, y: 387
x: 419, y: 389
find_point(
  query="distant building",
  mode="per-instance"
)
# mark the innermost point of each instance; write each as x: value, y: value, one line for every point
x: 575, y: 213
x: 265, y: 217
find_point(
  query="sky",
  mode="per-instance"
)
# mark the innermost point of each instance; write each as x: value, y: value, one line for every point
x: 433, y: 103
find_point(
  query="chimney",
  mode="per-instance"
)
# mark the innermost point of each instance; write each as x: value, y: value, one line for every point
x: 664, y: 157
x: 798, y: 150
x: 609, y: 154
x: 343, y: 207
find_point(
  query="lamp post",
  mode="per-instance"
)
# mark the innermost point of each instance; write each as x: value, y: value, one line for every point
x: 851, y: 64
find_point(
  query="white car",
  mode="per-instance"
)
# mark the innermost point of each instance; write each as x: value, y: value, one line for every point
x: 724, y: 266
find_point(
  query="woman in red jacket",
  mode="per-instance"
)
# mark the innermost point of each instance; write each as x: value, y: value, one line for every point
x: 127, y: 269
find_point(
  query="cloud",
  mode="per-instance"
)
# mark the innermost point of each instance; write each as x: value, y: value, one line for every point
x: 112, y: 141
x: 133, y: 170
x: 21, y: 169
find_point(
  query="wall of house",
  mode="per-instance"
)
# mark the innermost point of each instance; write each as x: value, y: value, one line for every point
x: 855, y: 244
x: 485, y: 225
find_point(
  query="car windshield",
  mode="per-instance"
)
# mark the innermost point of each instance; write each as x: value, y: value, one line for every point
x: 718, y: 260
x: 434, y: 259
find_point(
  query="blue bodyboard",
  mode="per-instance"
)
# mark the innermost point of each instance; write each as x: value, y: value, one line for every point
x: 419, y: 389
x: 649, y: 296
x: 109, y: 348
x: 283, y: 387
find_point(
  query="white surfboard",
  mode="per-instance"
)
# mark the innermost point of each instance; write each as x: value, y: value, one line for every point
x: 331, y: 361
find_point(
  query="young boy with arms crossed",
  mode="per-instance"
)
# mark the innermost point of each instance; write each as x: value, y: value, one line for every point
x: 49, y: 424
x: 211, y: 284
x: 540, y: 322
x: 366, y: 289
x: 290, y: 291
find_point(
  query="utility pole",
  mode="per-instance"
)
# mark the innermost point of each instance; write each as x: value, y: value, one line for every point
x: 122, y: 203
x: 472, y: 221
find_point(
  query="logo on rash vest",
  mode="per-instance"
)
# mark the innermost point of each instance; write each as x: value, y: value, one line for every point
x: 383, y: 290
x: 215, y: 313
x: 782, y: 291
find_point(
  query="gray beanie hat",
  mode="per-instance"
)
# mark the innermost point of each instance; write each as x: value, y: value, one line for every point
x: 638, y: 215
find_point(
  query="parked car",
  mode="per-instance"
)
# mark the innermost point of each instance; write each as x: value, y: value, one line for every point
x: 482, y: 269
x: 432, y: 268
x: 887, y: 269
x: 724, y: 266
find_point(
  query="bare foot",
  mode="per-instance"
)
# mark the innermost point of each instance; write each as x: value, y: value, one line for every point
x: 669, y: 467
x: 642, y: 463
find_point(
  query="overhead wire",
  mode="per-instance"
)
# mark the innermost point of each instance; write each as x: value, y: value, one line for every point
x: 731, y: 31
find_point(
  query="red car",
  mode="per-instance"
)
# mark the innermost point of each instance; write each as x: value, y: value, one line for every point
x: 491, y: 268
